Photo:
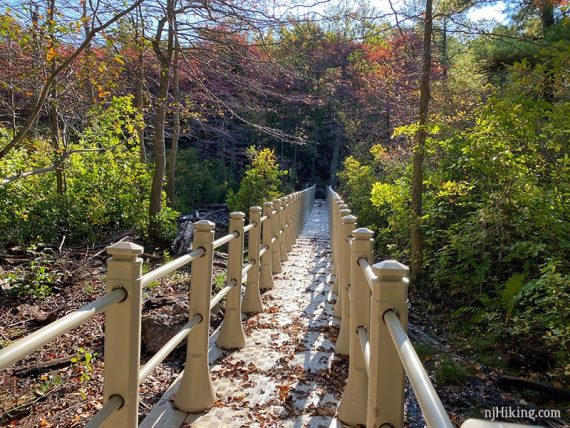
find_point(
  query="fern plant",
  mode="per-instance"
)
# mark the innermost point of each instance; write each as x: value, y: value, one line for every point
x: 510, y: 291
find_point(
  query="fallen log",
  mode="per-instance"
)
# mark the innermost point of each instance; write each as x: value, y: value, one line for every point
x: 560, y: 394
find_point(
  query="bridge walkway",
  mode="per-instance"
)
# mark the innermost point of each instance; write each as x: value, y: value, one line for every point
x: 287, y: 374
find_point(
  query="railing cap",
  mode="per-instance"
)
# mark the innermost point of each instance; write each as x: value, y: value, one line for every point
x: 390, y: 268
x: 339, y: 201
x: 268, y: 204
x: 344, y: 212
x: 237, y: 215
x: 124, y: 250
x: 348, y: 219
x: 362, y: 233
x: 204, y: 225
x: 277, y: 202
x: 256, y: 209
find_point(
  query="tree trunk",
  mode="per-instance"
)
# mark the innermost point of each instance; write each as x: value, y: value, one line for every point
x: 335, y: 157
x: 419, y: 149
x: 52, y: 105
x: 139, y: 80
x: 171, y: 174
x: 165, y: 59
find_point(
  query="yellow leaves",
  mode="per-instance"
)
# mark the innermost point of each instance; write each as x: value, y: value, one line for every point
x: 382, y: 194
x: 51, y: 54
x: 453, y: 188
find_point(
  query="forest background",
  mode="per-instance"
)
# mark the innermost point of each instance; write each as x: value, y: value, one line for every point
x: 119, y: 118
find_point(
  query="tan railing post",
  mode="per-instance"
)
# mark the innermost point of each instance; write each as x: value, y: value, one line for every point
x: 281, y: 215
x: 386, y: 382
x: 342, y: 345
x: 123, y: 333
x: 267, y: 260
x: 295, y: 219
x: 231, y: 332
x: 340, y: 205
x: 287, y: 225
x: 352, y: 408
x: 196, y: 391
x: 344, y: 263
x: 252, y: 299
x: 275, y: 248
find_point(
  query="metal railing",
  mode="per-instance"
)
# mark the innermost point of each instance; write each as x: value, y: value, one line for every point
x: 372, y: 303
x: 270, y: 237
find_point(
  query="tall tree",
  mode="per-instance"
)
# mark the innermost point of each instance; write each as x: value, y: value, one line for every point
x: 419, y: 147
x: 164, y: 53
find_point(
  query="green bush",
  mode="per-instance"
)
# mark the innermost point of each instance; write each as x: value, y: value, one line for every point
x: 261, y: 182
x: 106, y: 184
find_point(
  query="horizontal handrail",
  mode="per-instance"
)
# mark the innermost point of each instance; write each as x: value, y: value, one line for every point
x: 263, y: 249
x: 225, y: 239
x: 249, y: 227
x: 171, y: 266
x: 114, y: 403
x: 221, y: 294
x: 43, y: 336
x: 262, y: 219
x: 159, y: 357
x: 246, y: 268
x: 432, y: 408
x: 365, y: 345
x: 370, y: 276
x: 273, y: 240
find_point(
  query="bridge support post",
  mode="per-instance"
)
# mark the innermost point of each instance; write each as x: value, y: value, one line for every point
x: 196, y: 391
x: 342, y: 345
x: 267, y: 260
x: 386, y: 382
x: 276, y: 246
x: 352, y: 407
x: 231, y: 332
x: 122, y: 333
x: 344, y: 261
x: 252, y: 298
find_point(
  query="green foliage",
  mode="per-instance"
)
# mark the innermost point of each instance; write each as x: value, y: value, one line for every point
x: 198, y: 181
x: 38, y: 280
x: 510, y: 292
x: 495, y: 215
x: 83, y: 364
x: 261, y: 182
x: 106, y: 184
x: 450, y: 373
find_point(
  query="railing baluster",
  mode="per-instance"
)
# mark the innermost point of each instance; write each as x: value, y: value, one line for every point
x: 196, y: 391
x: 231, y: 332
x: 276, y: 247
x: 352, y: 408
x: 343, y: 263
x: 252, y: 299
x: 339, y: 206
x: 342, y: 345
x: 279, y: 206
x: 288, y: 228
x: 269, y: 258
x: 123, y: 334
